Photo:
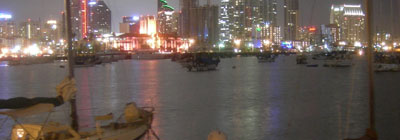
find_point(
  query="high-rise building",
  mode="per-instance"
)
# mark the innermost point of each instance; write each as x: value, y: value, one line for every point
x: 7, y: 26
x: 204, y: 25
x: 76, y: 19
x: 148, y: 25
x: 224, y: 24
x: 351, y: 21
x: 167, y: 20
x: 291, y: 16
x: 51, y: 32
x: 330, y: 33
x: 248, y: 20
x: 185, y: 19
x: 130, y: 25
x: 100, y: 18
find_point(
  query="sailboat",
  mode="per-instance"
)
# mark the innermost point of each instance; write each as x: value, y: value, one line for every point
x: 134, y: 124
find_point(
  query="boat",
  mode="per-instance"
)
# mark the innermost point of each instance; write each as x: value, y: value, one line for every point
x: 312, y: 65
x: 301, y: 59
x: 201, y: 62
x: 339, y: 59
x: 134, y: 124
x: 387, y: 67
x: 148, y: 55
x: 265, y: 58
x: 338, y: 63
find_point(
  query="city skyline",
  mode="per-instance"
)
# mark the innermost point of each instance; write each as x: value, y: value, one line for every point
x: 34, y: 9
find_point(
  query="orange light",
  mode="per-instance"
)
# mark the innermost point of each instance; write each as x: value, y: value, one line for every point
x: 312, y: 29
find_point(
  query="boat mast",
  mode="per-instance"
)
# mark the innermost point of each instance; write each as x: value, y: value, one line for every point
x: 370, y: 52
x: 74, y: 115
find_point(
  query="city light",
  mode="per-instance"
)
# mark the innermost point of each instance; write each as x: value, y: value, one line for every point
x: 342, y: 43
x: 51, y: 22
x: 191, y: 41
x: 267, y: 42
x: 5, y: 50
x: 357, y: 44
x: 237, y: 42
x: 5, y: 16
x: 135, y: 18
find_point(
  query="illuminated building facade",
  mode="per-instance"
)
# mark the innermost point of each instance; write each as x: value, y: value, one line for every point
x: 100, y: 18
x: 162, y: 43
x: 148, y: 25
x: 76, y: 19
x: 351, y: 21
x: 7, y: 26
x: 51, y: 32
x: 291, y: 17
x: 130, y: 25
x: 167, y: 18
x: 330, y: 34
x: 248, y: 20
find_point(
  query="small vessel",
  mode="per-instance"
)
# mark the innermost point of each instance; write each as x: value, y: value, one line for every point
x: 301, y: 59
x: 265, y: 58
x: 148, y: 55
x: 387, y: 67
x: 201, y: 62
x: 312, y: 65
x: 339, y: 59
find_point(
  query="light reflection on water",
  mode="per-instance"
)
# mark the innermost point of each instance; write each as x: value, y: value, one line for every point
x: 254, y: 101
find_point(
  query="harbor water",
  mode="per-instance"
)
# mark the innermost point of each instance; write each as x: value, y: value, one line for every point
x: 245, y: 99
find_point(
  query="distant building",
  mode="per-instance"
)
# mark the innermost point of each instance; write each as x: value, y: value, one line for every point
x: 330, y: 34
x: 167, y: 18
x: 351, y: 21
x: 51, y: 32
x: 185, y: 19
x: 130, y: 25
x: 8, y: 28
x: 148, y: 25
x: 100, y: 18
x: 76, y: 19
x: 248, y: 20
x: 204, y: 26
x: 291, y: 17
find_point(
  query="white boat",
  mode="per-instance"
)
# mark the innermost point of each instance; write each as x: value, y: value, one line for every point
x: 387, y: 68
x: 148, y: 55
x: 338, y: 63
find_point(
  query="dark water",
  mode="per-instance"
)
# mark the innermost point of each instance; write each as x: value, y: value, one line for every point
x: 280, y: 100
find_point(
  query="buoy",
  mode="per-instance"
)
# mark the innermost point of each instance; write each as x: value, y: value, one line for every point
x: 216, y: 135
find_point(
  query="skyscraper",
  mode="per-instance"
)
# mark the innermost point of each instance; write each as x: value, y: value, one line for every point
x: 247, y: 19
x: 291, y: 16
x: 351, y: 21
x: 76, y: 19
x: 100, y: 18
x: 167, y: 19
x: 185, y: 19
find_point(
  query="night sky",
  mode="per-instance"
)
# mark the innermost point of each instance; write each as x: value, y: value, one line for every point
x: 45, y: 9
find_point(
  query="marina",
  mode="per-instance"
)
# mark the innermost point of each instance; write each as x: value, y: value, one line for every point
x: 278, y: 100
